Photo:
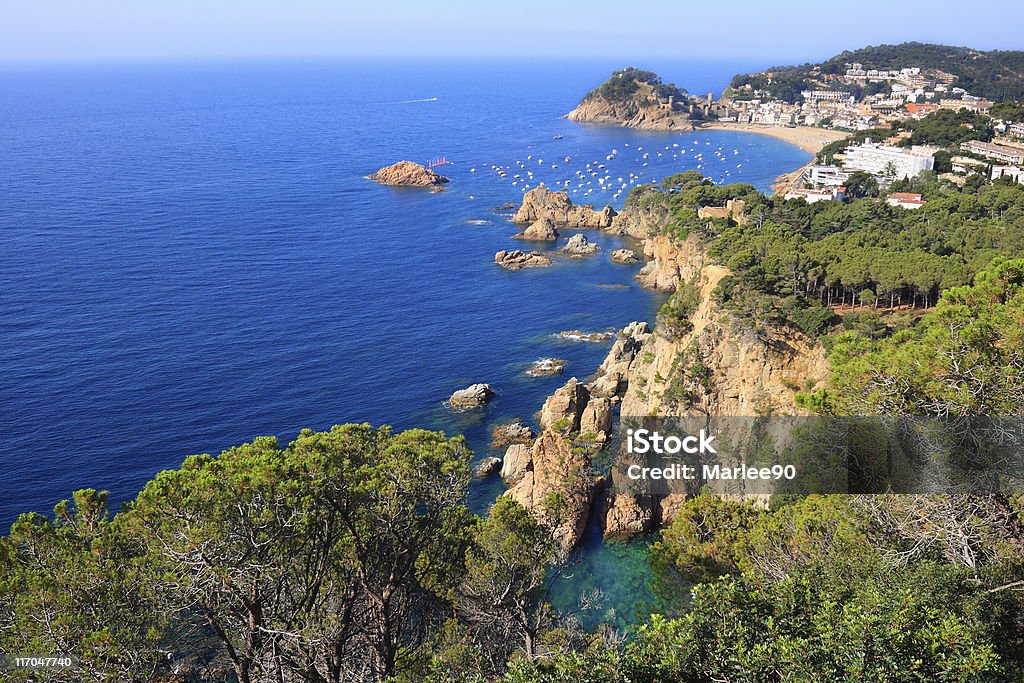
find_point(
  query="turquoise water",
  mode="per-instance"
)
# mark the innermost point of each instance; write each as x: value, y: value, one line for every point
x: 193, y: 256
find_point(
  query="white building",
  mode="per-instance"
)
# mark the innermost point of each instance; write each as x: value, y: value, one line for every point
x: 878, y: 159
x: 1016, y: 173
x: 826, y: 96
x: 905, y: 200
x: 1013, y: 156
x: 967, y: 165
x: 830, y: 176
x: 813, y: 196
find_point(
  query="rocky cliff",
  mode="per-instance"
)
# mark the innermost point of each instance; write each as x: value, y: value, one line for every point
x: 630, y: 115
x: 719, y: 367
x: 554, y: 480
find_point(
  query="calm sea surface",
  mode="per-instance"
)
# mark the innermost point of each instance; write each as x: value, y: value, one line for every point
x: 191, y: 255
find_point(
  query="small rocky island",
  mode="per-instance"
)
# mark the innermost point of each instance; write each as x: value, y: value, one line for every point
x: 409, y: 174
x: 578, y: 246
x: 546, y: 366
x: 473, y: 396
x: 635, y: 98
x: 540, y: 203
x: 625, y: 256
x: 517, y: 259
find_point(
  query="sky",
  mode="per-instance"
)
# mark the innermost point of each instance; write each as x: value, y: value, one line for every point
x: 777, y: 31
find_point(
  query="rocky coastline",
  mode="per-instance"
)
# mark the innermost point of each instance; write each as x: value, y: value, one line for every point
x: 746, y: 375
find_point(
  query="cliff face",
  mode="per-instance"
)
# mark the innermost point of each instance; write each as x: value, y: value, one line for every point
x: 671, y: 262
x: 718, y: 368
x: 641, y: 221
x: 746, y: 375
x: 640, y: 110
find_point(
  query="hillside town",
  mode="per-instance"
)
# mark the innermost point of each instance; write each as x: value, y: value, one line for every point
x: 865, y: 99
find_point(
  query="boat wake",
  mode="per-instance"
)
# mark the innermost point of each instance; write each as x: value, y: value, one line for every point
x: 424, y: 99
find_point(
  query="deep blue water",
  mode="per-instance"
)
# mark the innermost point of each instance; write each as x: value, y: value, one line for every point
x: 192, y: 254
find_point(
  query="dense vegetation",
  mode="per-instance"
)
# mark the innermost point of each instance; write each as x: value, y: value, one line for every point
x: 794, y: 263
x: 624, y: 84
x: 350, y: 556
x: 996, y: 75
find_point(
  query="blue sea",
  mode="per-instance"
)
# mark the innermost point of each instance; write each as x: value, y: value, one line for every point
x: 192, y: 255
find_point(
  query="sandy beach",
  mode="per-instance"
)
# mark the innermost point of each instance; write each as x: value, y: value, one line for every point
x: 805, y: 137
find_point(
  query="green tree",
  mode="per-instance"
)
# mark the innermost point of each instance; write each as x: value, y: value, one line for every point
x: 327, y: 560
x: 74, y: 586
x: 502, y: 597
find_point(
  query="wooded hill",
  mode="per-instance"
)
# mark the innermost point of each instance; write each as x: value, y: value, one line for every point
x: 997, y: 75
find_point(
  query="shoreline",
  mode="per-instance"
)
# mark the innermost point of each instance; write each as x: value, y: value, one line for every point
x: 807, y: 138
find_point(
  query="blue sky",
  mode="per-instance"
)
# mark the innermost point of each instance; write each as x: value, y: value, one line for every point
x: 69, y: 30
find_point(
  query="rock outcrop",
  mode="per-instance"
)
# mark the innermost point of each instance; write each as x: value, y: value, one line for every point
x: 645, y: 215
x: 612, y: 376
x: 625, y: 256
x: 596, y: 419
x: 625, y: 516
x: 517, y: 259
x: 541, y: 230
x: 672, y: 261
x: 474, y: 396
x: 577, y: 335
x: 657, y: 117
x: 540, y: 203
x: 517, y: 462
x: 558, y: 487
x: 486, y: 467
x: 579, y: 245
x: 409, y: 174
x: 720, y: 367
x: 563, y: 408
x: 511, y: 433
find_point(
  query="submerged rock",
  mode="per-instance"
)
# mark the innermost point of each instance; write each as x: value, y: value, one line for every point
x: 474, y: 396
x: 579, y: 245
x: 546, y: 366
x: 409, y: 174
x: 576, y: 335
x: 517, y: 259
